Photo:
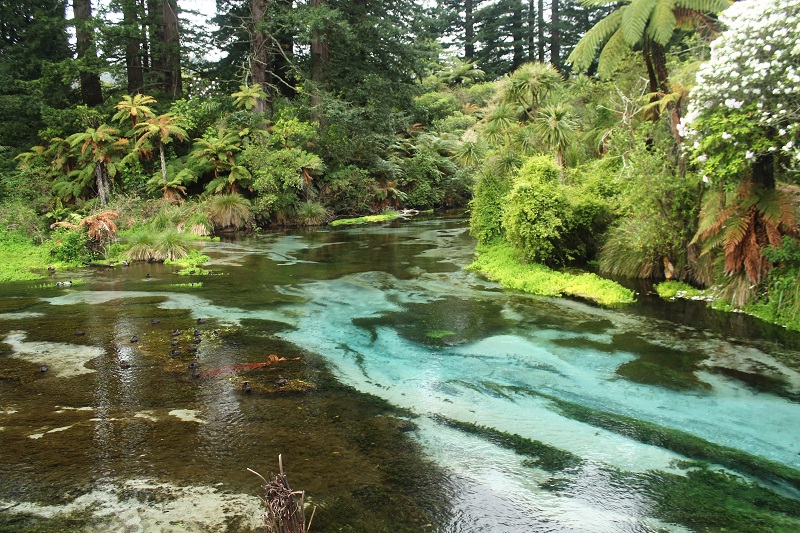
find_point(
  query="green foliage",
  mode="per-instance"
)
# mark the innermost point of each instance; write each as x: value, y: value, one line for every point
x: 311, y: 213
x: 506, y: 265
x: 433, y: 106
x: 549, y: 222
x: 17, y: 216
x: 229, y: 210
x: 21, y: 258
x: 351, y: 190
x: 141, y: 243
x: 369, y: 219
x: 486, y: 207
x: 534, y: 218
x: 669, y: 290
x: 170, y: 244
x: 70, y: 246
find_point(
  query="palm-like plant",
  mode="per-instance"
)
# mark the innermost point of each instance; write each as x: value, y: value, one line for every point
x: 556, y: 125
x: 229, y: 210
x: 529, y: 85
x: 180, y: 173
x: 161, y: 130
x: 98, y: 150
x: 134, y: 108
x: 649, y: 23
x: 247, y: 96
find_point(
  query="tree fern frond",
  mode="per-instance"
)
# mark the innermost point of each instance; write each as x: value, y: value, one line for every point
x: 612, y: 55
x: 777, y: 208
x: 662, y: 22
x: 705, y: 6
x: 599, y: 3
x: 736, y: 229
x: 634, y: 20
x: 585, y: 51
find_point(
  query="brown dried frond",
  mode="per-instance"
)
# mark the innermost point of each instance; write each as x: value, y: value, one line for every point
x: 63, y: 224
x: 101, y: 226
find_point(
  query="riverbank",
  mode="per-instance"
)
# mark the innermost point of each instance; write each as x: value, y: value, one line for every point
x: 503, y: 264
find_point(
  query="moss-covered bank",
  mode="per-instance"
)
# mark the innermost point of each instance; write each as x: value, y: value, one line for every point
x: 503, y: 264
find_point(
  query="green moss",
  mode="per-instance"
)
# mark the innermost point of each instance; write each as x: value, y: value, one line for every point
x: 544, y: 456
x: 439, y: 334
x: 677, y: 289
x: 503, y: 264
x: 383, y: 217
x: 23, y: 260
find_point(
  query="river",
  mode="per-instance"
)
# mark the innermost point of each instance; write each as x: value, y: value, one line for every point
x: 403, y: 393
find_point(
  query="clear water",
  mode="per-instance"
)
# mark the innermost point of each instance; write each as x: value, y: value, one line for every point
x: 462, y: 365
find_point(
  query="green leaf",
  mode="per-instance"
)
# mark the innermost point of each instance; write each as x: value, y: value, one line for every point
x: 634, y: 20
x: 662, y: 22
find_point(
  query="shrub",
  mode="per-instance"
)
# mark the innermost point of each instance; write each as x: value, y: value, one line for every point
x: 486, y: 218
x: 70, y: 246
x: 311, y: 214
x: 170, y: 244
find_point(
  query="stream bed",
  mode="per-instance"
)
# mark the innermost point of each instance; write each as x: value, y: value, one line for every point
x: 403, y: 393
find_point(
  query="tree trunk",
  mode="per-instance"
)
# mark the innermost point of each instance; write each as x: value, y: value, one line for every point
x: 555, y: 36
x: 540, y: 31
x: 155, y: 30
x: 173, y: 81
x: 283, y: 58
x: 163, y: 162
x: 91, y: 92
x: 518, y: 35
x: 99, y: 175
x: 469, y: 31
x: 320, y: 56
x: 259, y: 56
x: 133, y: 46
x: 764, y: 171
x: 531, y: 30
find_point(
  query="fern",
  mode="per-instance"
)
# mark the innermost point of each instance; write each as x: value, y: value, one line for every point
x: 662, y: 22
x: 585, y: 51
x: 613, y: 53
x: 704, y: 6
x: 634, y: 20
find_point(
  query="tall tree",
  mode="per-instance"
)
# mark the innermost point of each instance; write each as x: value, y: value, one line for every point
x: 91, y: 91
x: 259, y: 57
x: 133, y: 45
x: 320, y: 57
x: 555, y: 35
x: 171, y: 50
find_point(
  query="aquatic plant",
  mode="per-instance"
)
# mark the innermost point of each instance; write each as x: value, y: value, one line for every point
x: 284, y: 508
x: 383, y: 217
x: 141, y: 244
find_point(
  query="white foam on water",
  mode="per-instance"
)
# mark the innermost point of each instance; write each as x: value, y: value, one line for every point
x: 64, y: 360
x: 20, y: 315
x: 187, y: 415
x: 146, y: 505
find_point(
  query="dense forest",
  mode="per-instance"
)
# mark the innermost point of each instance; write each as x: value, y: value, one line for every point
x: 649, y: 139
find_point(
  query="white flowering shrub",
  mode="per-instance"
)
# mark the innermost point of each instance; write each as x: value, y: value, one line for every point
x: 747, y: 99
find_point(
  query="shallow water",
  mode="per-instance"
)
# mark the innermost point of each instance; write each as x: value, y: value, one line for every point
x: 418, y: 397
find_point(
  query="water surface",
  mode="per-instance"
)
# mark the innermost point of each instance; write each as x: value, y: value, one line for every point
x: 405, y: 394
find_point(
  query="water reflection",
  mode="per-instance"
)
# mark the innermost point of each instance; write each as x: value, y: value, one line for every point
x: 529, y: 414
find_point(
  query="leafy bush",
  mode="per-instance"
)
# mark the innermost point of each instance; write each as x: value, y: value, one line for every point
x: 457, y: 123
x: 311, y: 214
x: 534, y: 218
x: 433, y: 106
x: 170, y: 244
x: 70, y: 246
x: 486, y: 219
x: 350, y: 191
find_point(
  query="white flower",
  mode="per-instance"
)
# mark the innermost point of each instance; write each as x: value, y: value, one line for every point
x: 702, y: 158
x: 726, y: 135
x: 705, y: 179
x: 749, y: 155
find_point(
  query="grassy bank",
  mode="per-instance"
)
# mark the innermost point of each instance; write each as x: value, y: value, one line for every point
x: 503, y: 264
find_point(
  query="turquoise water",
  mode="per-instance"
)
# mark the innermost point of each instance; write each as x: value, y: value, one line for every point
x: 624, y: 419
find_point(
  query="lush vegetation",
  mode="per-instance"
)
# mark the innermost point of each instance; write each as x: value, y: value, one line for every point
x: 648, y: 139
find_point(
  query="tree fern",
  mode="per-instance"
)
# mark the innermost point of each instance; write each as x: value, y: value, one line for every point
x: 612, y: 55
x: 634, y: 20
x: 662, y: 22
x: 705, y: 6
x: 585, y: 51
